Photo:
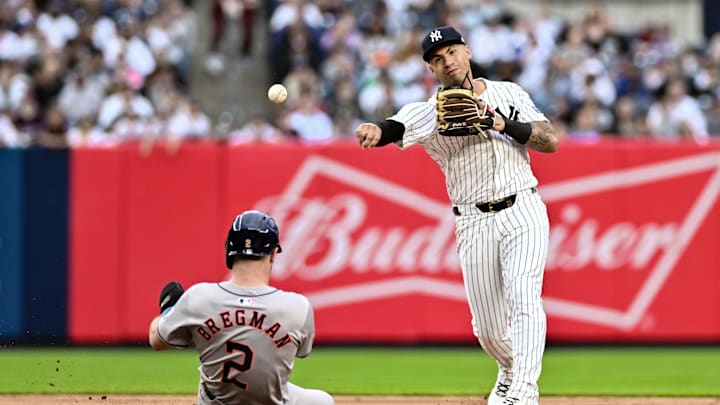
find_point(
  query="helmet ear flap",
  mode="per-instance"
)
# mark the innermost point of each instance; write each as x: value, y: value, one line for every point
x: 230, y: 252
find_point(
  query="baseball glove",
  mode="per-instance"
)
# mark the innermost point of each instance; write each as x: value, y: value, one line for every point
x: 170, y: 295
x: 460, y: 112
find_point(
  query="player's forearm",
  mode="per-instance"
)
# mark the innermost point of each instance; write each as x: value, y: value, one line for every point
x: 155, y: 341
x: 542, y: 137
x: 379, y: 133
x: 392, y: 131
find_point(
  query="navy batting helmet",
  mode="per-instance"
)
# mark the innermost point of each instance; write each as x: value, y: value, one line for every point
x: 253, y: 234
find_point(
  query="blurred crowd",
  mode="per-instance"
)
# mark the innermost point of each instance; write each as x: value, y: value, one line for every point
x: 102, y: 72
x: 96, y: 72
x: 349, y: 61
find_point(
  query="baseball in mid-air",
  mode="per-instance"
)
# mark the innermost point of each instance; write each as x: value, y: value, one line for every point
x: 277, y: 93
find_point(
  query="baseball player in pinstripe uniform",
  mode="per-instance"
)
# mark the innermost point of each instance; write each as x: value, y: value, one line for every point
x: 247, y: 332
x: 501, y: 222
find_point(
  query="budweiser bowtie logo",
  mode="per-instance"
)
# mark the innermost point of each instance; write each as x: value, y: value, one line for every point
x: 325, y: 235
x: 654, y: 228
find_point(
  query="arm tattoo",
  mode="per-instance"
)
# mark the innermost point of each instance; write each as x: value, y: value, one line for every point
x: 542, y: 137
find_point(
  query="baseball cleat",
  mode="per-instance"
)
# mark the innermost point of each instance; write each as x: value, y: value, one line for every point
x: 514, y: 401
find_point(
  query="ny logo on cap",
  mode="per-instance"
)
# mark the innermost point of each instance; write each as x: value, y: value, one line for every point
x: 435, y: 36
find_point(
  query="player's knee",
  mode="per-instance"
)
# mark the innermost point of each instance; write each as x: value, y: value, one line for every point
x: 330, y: 400
x: 488, y: 338
x: 323, y: 398
x: 316, y: 397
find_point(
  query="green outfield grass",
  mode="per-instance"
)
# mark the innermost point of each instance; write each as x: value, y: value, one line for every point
x: 675, y: 371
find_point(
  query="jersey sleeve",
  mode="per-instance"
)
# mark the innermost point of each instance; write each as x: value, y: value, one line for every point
x: 419, y: 121
x: 527, y: 111
x: 307, y: 333
x: 174, y: 325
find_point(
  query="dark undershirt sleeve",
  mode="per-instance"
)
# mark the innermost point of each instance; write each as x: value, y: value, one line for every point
x: 520, y: 131
x: 392, y: 131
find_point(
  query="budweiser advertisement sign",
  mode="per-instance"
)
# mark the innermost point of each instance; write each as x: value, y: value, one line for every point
x: 369, y: 238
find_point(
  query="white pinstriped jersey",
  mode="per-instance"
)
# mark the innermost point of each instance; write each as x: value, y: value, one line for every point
x: 477, y: 168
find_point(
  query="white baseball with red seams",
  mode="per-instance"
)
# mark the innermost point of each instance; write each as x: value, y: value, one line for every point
x: 502, y: 253
x: 277, y: 93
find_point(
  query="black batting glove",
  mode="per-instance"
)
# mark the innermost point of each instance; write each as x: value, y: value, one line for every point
x: 170, y: 295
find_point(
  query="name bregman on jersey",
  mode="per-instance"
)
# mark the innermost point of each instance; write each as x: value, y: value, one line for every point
x: 238, y: 317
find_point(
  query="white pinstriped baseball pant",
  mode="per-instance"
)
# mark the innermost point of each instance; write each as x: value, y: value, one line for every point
x: 503, y: 256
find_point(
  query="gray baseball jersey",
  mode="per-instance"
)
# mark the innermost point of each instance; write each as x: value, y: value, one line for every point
x: 247, y: 339
x: 502, y: 254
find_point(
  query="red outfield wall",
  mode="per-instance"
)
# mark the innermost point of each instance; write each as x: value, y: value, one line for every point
x: 368, y: 236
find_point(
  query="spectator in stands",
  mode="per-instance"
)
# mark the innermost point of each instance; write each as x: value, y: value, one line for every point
x: 627, y: 121
x: 257, y: 129
x: 590, y: 80
x: 345, y: 110
x: 302, y: 77
x: 308, y: 120
x: 376, y: 98
x: 81, y: 96
x: 122, y: 100
x: 377, y: 46
x: 341, y: 64
x: 104, y: 28
x: 295, y: 46
x: 547, y: 25
x: 47, y: 77
x: 163, y: 91
x: 129, y: 53
x: 15, y: 84
x: 296, y: 12
x: 676, y: 115
x: 56, y: 26
x: 24, y: 41
x: 28, y: 118
x: 492, y: 43
x: 84, y: 133
x: 405, y: 71
x: 629, y: 83
x: 53, y: 134
x: 130, y: 126
x: 342, y: 36
x: 170, y: 35
x: 596, y: 26
x: 11, y: 137
x: 533, y: 61
x: 188, y: 122
x: 713, y: 115
x: 585, y: 126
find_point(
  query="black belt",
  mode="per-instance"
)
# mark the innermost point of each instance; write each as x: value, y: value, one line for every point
x: 495, y: 205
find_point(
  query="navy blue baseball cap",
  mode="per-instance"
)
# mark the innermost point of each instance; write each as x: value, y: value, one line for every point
x: 438, y: 37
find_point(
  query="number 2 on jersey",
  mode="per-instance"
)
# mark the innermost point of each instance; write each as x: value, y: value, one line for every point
x: 230, y: 365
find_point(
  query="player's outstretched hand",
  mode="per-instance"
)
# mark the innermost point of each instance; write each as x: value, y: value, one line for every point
x: 368, y: 135
x: 170, y: 295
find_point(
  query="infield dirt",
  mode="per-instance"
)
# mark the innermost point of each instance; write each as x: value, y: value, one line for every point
x: 345, y: 400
